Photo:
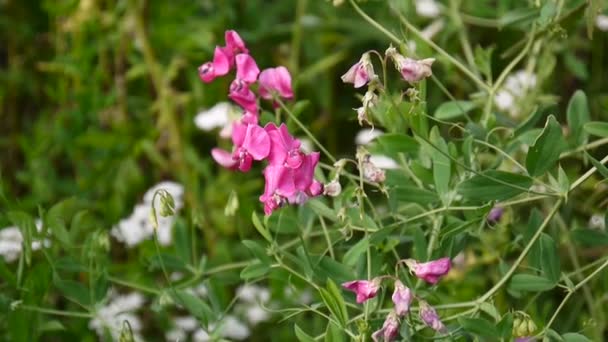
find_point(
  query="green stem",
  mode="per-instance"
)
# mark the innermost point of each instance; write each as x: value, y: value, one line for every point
x: 56, y: 312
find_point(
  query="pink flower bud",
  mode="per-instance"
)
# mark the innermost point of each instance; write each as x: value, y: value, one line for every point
x: 495, y: 215
x: 332, y: 188
x: 276, y: 80
x: 430, y: 271
x: 364, y: 289
x: 389, y: 330
x: 361, y: 73
x: 402, y: 298
x: 412, y: 70
x: 429, y: 316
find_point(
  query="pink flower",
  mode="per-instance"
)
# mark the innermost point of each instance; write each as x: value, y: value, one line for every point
x: 364, y: 289
x: 279, y: 186
x: 276, y: 80
x: 303, y: 177
x: 402, y: 297
x: 285, y: 149
x: 224, y: 158
x: 219, y: 67
x: 251, y: 143
x: 412, y: 70
x: 246, y: 73
x: 429, y: 316
x: 430, y: 271
x: 360, y: 73
x: 234, y: 43
x: 389, y: 330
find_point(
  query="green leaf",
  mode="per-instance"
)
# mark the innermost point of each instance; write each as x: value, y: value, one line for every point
x: 73, y: 290
x: 494, y: 185
x: 254, y: 270
x: 441, y: 164
x: 260, y: 227
x: 546, y: 149
x: 335, y: 292
x: 283, y: 222
x: 505, y: 326
x: 530, y: 282
x: 453, y: 109
x: 258, y: 251
x: 420, y: 244
x: 392, y: 144
x: 334, y: 333
x: 322, y: 209
x: 549, y: 258
x: 578, y: 116
x: 351, y: 257
x: 591, y: 12
x: 575, y: 337
x: 601, y: 168
x: 51, y: 326
x: 563, y: 181
x: 330, y: 268
x: 412, y: 194
x: 597, y: 128
x: 590, y: 237
x: 192, y: 304
x: 479, y: 326
x: 301, y: 335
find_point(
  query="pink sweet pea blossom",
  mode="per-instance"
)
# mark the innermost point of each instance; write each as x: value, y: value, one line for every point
x: 402, y: 298
x: 412, y: 70
x: 276, y: 80
x: 251, y: 143
x: 430, y: 271
x: 219, y: 67
x: 285, y: 149
x: 246, y: 73
x: 304, y: 181
x: 364, y: 289
x: 360, y: 73
x: 429, y: 316
x: 389, y: 330
x: 279, y: 186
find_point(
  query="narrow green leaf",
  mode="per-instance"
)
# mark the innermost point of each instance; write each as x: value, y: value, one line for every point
x: 351, y: 257
x: 335, y: 292
x: 563, y: 181
x: 590, y: 237
x: 479, y: 326
x: 494, y: 185
x: 334, y: 333
x: 575, y: 337
x: 254, y: 270
x: 578, y: 116
x: 453, y: 109
x: 530, y: 282
x: 601, y: 168
x: 546, y: 149
x: 322, y: 209
x: 193, y: 304
x: 260, y: 227
x: 441, y: 164
x: 301, y: 335
x: 258, y: 251
x: 420, y: 244
x: 412, y: 194
x: 392, y: 144
x: 505, y: 326
x: 597, y: 128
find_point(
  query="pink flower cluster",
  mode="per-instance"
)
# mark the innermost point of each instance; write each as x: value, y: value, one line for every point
x: 403, y: 296
x: 289, y: 175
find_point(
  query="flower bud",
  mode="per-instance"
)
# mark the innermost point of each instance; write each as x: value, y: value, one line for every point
x: 389, y: 330
x: 332, y: 188
x: 430, y: 271
x: 429, y: 316
x: 411, y: 70
x: 167, y: 204
x: 495, y: 214
x: 361, y: 72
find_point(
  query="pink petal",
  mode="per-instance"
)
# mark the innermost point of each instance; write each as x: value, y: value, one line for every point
x: 234, y: 42
x: 361, y: 77
x: 224, y: 158
x: 245, y: 163
x: 206, y: 72
x: 276, y: 80
x: 349, y: 76
x: 257, y: 142
x: 246, y: 68
x: 221, y: 62
x: 239, y: 131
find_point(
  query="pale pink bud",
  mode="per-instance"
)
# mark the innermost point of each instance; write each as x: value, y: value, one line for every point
x: 332, y: 188
x: 402, y: 298
x: 364, y: 289
x: 430, y: 271
x: 429, y: 316
x: 389, y: 330
x: 360, y: 73
x: 412, y: 70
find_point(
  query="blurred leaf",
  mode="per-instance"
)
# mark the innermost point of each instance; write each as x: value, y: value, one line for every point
x: 453, y: 109
x: 283, y: 222
x: 530, y: 282
x: 351, y: 257
x: 494, y: 185
x: 413, y: 194
x: 590, y: 237
x: 479, y: 326
x: 392, y: 144
x: 420, y: 244
x: 260, y: 228
x: 594, y: 8
x: 254, y: 270
x: 597, y: 128
x: 193, y: 304
x: 441, y: 164
x: 578, y: 116
x: 546, y: 149
x: 505, y: 326
x: 575, y: 337
x: 301, y: 335
x: 601, y: 168
x: 483, y: 60
x: 334, y: 333
x: 73, y: 290
x: 52, y: 325
x: 258, y: 251
x: 576, y: 66
x: 322, y: 209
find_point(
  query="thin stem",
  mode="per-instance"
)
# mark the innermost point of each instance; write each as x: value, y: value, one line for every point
x: 523, y: 254
x: 132, y: 285
x: 587, y: 174
x: 330, y: 247
x: 56, y: 312
x: 375, y: 23
x: 586, y: 147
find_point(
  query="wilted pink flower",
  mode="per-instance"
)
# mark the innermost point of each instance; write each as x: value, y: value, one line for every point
x: 251, y: 143
x: 429, y: 316
x: 360, y: 73
x: 364, y: 289
x: 278, y: 188
x: 495, y: 215
x: 430, y: 271
x: 275, y: 80
x: 219, y: 67
x: 372, y: 173
x: 285, y: 149
x: 412, y: 70
x: 402, y: 298
x: 389, y: 329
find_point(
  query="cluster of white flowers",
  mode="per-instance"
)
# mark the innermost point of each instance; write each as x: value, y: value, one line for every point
x: 427, y: 8
x: 11, y: 242
x: 138, y: 226
x: 119, y: 309
x: 515, y: 88
x: 365, y: 137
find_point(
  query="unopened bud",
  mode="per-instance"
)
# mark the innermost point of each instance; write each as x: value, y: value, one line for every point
x: 167, y: 204
x: 332, y: 188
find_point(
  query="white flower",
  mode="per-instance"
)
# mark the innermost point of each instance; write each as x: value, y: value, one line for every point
x: 11, y: 242
x: 113, y: 315
x: 232, y: 328
x: 214, y: 117
x: 504, y: 100
x: 513, y: 91
x: 597, y: 222
x: 201, y: 336
x: 383, y: 162
x: 252, y: 293
x: 367, y: 135
x: 602, y: 22
x: 183, y: 326
x: 256, y: 314
x: 427, y: 8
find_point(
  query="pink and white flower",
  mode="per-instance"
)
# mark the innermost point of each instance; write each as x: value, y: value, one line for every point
x: 430, y: 271
x: 389, y: 330
x: 364, y: 289
x: 402, y: 298
x: 360, y: 73
x: 429, y: 316
x: 411, y: 70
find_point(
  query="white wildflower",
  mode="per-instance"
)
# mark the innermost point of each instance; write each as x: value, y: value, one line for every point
x: 597, y: 222
x: 214, y: 117
x: 112, y: 316
x: 427, y: 8
x: 232, y: 328
x: 367, y: 135
x: 602, y: 22
x: 513, y: 91
x: 11, y: 242
x: 383, y: 161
